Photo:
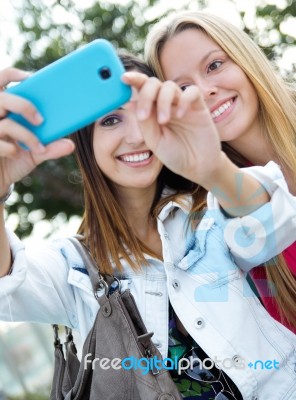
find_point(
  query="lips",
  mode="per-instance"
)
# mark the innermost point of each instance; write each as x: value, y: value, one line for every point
x: 135, y: 157
x: 218, y: 110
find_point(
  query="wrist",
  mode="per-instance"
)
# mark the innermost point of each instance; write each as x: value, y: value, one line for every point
x: 5, y: 194
x: 217, y: 174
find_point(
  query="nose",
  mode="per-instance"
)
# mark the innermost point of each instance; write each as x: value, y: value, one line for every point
x: 207, y: 87
x: 134, y: 135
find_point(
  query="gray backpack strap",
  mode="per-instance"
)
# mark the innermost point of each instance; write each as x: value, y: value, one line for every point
x: 97, y: 280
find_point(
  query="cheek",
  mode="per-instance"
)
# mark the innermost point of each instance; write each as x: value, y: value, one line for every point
x: 102, y: 149
x: 105, y: 164
x: 252, y: 94
x: 251, y: 97
x: 246, y: 84
x: 236, y: 78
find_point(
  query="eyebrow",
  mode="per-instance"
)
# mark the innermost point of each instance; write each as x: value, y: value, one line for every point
x: 202, y: 60
x: 210, y: 53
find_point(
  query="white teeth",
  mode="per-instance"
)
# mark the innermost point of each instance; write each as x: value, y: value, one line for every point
x: 221, y: 109
x: 136, y: 157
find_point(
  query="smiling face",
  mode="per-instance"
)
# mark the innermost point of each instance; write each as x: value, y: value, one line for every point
x: 191, y: 57
x: 121, y: 152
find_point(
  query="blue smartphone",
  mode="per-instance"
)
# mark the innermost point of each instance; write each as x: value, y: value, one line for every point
x: 74, y: 91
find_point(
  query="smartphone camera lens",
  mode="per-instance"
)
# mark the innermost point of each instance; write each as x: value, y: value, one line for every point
x: 105, y: 73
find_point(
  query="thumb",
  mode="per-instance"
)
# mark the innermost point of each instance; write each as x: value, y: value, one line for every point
x: 55, y: 150
x: 151, y: 131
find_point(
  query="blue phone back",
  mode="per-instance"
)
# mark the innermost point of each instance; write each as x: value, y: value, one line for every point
x: 70, y: 93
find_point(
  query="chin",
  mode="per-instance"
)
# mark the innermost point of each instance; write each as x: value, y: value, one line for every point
x: 229, y: 137
x: 144, y: 184
x: 140, y: 184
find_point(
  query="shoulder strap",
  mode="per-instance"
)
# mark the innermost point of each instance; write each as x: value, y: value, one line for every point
x: 89, y: 263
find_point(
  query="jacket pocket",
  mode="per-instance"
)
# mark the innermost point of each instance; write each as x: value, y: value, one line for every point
x: 195, y: 248
x: 208, y: 259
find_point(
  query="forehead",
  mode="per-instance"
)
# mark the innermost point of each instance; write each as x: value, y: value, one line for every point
x: 131, y: 104
x: 185, y: 48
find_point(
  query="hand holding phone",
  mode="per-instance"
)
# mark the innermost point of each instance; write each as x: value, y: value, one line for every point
x: 74, y: 91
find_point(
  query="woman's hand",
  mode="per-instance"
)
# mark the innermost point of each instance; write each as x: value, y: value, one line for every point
x: 15, y: 162
x: 177, y: 127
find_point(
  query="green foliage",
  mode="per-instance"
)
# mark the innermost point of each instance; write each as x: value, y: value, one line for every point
x: 274, y: 17
x: 52, y: 188
x: 270, y: 30
x: 52, y: 28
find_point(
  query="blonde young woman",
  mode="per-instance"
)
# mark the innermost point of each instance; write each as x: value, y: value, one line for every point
x: 253, y: 109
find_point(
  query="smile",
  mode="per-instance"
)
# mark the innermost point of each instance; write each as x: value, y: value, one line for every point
x: 219, y: 111
x: 136, y: 158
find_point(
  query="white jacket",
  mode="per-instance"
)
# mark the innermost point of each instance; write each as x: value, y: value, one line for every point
x: 198, y: 275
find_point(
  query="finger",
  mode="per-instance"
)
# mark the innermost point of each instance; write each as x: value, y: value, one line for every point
x: 147, y: 97
x: 147, y: 89
x: 8, y: 75
x: 135, y: 79
x: 8, y: 149
x: 134, y: 97
x: 19, y: 105
x: 190, y: 98
x: 151, y: 133
x: 54, y: 150
x: 169, y: 96
x: 16, y: 132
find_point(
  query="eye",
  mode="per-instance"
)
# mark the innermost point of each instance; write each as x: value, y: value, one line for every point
x: 184, y: 87
x: 110, y: 120
x: 214, y: 65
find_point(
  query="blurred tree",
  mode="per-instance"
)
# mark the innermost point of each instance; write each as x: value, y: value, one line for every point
x: 271, y: 30
x: 50, y: 29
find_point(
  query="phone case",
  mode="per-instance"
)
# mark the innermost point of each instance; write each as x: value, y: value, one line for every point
x: 74, y: 91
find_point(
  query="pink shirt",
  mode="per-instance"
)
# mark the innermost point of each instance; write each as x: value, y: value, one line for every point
x: 259, y: 278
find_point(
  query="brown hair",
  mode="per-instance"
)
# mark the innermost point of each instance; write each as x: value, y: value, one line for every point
x: 277, y: 113
x: 104, y: 226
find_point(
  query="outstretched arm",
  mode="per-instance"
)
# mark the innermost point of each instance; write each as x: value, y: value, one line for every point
x: 15, y: 162
x: 178, y: 128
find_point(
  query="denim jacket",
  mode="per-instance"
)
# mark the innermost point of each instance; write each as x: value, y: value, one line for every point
x: 203, y: 275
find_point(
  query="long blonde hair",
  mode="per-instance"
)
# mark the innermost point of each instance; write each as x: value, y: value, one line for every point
x: 277, y: 113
